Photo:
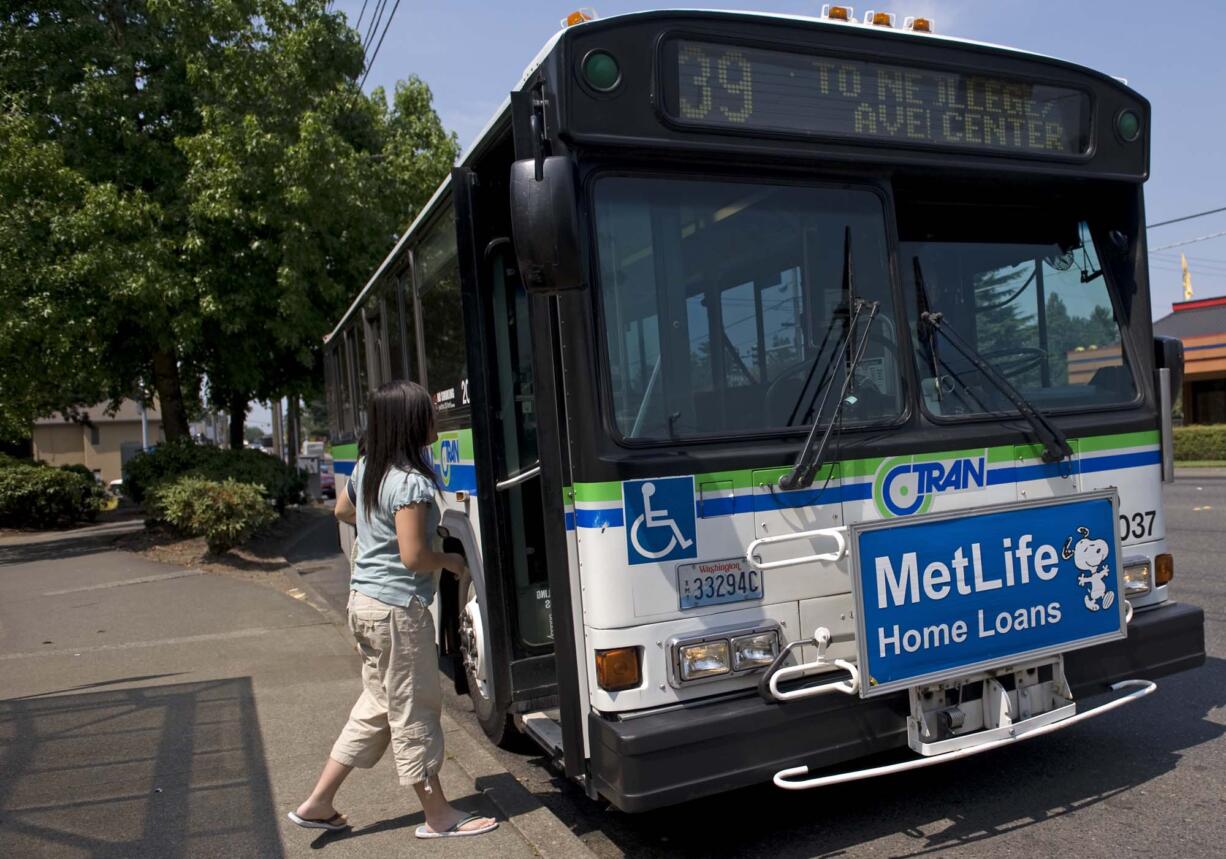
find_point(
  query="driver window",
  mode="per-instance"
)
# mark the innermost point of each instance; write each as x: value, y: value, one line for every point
x: 1036, y: 307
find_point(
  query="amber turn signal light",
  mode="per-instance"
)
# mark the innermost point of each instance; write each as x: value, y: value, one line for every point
x: 618, y: 668
x: 1164, y: 569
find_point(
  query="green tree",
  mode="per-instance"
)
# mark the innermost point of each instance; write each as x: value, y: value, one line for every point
x: 189, y: 191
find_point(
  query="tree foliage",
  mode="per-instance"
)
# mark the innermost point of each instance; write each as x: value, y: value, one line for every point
x: 190, y: 190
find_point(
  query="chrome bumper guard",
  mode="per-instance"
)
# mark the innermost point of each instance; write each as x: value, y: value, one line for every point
x: 973, y: 744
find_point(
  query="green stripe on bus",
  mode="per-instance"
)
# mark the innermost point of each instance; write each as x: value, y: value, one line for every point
x: 344, y: 451
x: 1114, y: 442
x: 611, y: 491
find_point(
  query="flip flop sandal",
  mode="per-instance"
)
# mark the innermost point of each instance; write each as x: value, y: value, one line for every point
x: 455, y: 831
x: 335, y: 823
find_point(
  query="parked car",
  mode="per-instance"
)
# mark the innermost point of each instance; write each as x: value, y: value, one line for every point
x: 327, y: 478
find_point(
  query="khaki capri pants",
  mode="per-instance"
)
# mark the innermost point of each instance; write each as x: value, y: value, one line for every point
x: 402, y: 698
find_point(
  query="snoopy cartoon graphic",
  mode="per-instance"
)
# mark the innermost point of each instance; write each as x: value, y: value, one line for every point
x: 1088, y: 555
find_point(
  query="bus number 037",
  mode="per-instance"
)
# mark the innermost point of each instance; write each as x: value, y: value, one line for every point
x: 1138, y: 525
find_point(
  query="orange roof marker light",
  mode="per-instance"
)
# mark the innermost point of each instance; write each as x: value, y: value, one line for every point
x: 879, y: 19
x: 579, y: 16
x: 919, y: 25
x: 838, y: 13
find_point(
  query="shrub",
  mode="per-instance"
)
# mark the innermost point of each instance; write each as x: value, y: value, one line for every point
x: 1200, y: 441
x: 225, y: 513
x: 34, y: 496
x: 79, y: 469
x: 174, y: 459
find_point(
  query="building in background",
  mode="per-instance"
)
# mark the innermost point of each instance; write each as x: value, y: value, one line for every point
x: 103, y: 444
x: 1201, y: 325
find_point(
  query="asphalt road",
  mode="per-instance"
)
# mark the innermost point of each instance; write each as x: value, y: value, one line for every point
x: 1147, y: 779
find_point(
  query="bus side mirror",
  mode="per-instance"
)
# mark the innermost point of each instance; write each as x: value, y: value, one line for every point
x: 545, y: 220
x: 1168, y: 354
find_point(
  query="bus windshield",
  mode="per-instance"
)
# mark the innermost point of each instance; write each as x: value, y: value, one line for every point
x: 1025, y: 289
x: 726, y: 306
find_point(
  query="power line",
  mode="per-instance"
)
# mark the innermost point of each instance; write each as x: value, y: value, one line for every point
x: 1185, y: 218
x: 376, y: 18
x: 386, y: 27
x: 358, y: 25
x: 1189, y: 241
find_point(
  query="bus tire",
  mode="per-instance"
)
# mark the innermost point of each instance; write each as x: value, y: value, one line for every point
x: 479, y: 671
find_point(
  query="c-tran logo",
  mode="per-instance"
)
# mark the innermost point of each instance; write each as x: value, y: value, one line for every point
x: 903, y: 487
x: 449, y: 455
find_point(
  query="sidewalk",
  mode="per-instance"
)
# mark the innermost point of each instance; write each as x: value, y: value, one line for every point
x: 148, y: 710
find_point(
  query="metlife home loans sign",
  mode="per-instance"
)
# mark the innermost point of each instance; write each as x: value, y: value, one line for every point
x: 946, y: 595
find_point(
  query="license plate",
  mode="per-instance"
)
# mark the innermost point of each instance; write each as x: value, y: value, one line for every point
x: 717, y: 582
x: 951, y: 594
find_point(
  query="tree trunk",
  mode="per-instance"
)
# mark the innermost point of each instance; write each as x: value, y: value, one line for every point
x: 294, y: 440
x: 170, y: 394
x: 238, y: 415
x: 278, y: 438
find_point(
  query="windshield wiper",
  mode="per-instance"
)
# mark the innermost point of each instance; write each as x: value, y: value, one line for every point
x: 1055, y: 443
x: 810, y: 459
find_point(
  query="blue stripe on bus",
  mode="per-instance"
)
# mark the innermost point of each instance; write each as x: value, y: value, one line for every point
x: 463, y: 477
x: 343, y: 466
x: 1089, y: 465
x: 598, y: 517
x: 570, y: 520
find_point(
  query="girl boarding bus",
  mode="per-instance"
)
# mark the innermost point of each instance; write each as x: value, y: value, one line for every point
x: 798, y: 401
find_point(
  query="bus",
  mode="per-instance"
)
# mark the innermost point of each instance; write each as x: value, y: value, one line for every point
x: 798, y: 402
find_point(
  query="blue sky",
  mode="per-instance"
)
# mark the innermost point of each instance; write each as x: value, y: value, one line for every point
x: 1172, y: 53
x: 471, y: 54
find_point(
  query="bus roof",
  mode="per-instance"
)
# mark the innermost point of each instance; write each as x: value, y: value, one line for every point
x: 502, y: 114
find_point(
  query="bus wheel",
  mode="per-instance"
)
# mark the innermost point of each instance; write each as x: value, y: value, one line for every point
x: 479, y: 670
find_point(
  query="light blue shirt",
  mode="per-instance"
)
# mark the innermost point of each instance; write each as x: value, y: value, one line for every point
x: 379, y: 572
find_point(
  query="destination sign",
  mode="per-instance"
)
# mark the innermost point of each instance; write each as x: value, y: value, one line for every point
x: 754, y: 89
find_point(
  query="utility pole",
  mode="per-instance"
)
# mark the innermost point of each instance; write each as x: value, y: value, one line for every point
x: 144, y: 425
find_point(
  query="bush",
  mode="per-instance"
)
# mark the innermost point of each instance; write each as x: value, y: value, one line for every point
x: 174, y: 459
x: 79, y: 469
x: 225, y: 513
x: 1200, y: 441
x: 34, y: 496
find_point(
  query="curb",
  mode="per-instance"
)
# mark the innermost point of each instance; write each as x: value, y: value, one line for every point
x: 298, y: 587
x: 547, y: 835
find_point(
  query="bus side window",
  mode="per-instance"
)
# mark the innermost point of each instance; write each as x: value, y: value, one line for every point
x: 397, y: 360
x: 437, y: 275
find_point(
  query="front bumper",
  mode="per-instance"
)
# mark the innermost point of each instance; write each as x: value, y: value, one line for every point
x: 654, y: 760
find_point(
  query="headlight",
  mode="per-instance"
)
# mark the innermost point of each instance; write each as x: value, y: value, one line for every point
x: 720, y: 653
x: 704, y: 660
x: 1136, y: 578
x: 754, y: 651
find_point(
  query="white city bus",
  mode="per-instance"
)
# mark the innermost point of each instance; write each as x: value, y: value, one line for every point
x: 798, y: 401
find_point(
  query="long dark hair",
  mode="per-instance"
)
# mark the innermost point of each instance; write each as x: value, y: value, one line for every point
x: 399, y: 426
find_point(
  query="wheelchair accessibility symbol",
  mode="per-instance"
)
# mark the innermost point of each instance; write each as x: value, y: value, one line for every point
x: 659, y: 517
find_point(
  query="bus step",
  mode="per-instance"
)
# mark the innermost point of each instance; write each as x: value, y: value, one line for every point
x: 545, y: 731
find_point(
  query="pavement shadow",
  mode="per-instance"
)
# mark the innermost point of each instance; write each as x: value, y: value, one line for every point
x: 964, y: 803
x: 70, y: 546
x: 166, y: 771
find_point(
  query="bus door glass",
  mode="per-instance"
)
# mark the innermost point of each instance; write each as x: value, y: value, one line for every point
x: 520, y: 485
x: 727, y: 307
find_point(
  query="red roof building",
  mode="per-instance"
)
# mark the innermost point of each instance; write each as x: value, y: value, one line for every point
x: 1201, y: 325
